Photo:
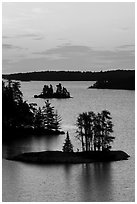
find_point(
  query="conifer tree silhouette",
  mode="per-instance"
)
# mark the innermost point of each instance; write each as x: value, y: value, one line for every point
x: 67, y: 147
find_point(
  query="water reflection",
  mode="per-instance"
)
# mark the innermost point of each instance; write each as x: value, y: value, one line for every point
x: 67, y: 170
x: 32, y: 144
x: 87, y: 182
x: 57, y: 183
x: 103, y: 180
x: 96, y: 182
x: 92, y: 181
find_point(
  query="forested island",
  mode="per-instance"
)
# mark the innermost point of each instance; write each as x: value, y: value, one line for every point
x: 59, y: 157
x: 94, y: 148
x: 48, y: 92
x: 95, y: 138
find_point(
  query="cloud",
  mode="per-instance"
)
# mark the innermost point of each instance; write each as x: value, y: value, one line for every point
x: 66, y: 51
x: 127, y: 47
x: 39, y: 11
x: 6, y: 61
x: 125, y: 28
x: 5, y: 37
x: 26, y: 35
x: 38, y: 38
x: 31, y: 35
x: 77, y: 57
x: 10, y: 47
x: 70, y: 49
x: 86, y: 53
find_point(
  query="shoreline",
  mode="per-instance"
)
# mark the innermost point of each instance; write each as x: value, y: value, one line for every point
x: 53, y: 96
x: 111, y: 88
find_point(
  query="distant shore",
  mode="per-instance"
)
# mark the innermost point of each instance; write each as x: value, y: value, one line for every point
x: 58, y: 157
x: 72, y: 75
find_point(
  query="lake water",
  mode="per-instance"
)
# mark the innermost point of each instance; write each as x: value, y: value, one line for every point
x: 113, y: 181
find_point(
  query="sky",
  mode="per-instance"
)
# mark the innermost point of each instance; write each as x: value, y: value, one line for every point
x: 67, y: 36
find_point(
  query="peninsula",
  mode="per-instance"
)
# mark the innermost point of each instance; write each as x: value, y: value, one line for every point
x: 127, y: 84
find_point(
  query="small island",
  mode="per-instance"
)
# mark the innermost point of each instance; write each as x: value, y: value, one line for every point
x: 101, y: 153
x: 60, y: 93
x: 59, y: 157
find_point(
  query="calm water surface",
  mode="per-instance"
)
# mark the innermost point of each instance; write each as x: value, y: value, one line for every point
x: 112, y: 181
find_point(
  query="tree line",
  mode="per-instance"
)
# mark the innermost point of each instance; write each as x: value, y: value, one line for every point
x: 72, y: 75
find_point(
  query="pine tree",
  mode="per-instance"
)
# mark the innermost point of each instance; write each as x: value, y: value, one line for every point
x: 48, y: 115
x: 57, y: 121
x: 51, y: 120
x: 67, y: 147
x: 38, y: 121
x: 107, y: 129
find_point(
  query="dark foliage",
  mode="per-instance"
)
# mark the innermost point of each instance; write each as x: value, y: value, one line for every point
x: 72, y: 75
x: 59, y: 157
x: 67, y: 147
x: 51, y: 119
x: 48, y: 92
x: 20, y: 118
x: 123, y: 83
x: 94, y: 131
x: 15, y: 112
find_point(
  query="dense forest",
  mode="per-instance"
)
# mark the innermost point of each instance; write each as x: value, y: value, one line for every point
x: 72, y: 75
x: 22, y: 118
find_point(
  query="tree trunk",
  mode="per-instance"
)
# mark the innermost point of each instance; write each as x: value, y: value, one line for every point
x: 83, y: 149
x: 86, y: 139
x: 94, y: 147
